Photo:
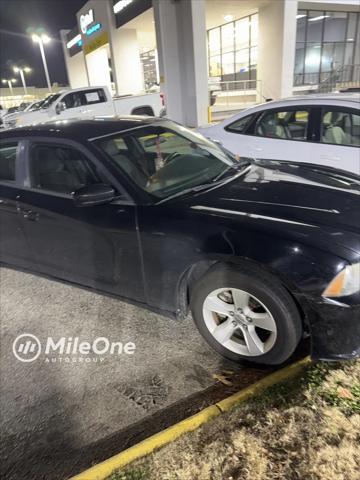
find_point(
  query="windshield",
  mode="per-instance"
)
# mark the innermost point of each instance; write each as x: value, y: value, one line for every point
x: 50, y: 100
x: 35, y: 106
x: 165, y: 158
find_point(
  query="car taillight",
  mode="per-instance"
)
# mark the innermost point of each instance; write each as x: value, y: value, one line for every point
x: 162, y: 96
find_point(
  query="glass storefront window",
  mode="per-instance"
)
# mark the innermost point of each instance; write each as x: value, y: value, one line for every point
x: 254, y: 30
x: 242, y: 61
x: 227, y: 38
x: 148, y: 61
x: 349, y: 53
x: 315, y: 23
x: 301, y: 26
x: 299, y: 58
x: 242, y: 33
x: 253, y: 57
x: 215, y: 66
x: 327, y: 58
x: 326, y: 46
x: 335, y: 27
x: 312, y: 58
x: 228, y: 63
x: 214, y: 42
x: 351, y: 30
x: 233, y: 50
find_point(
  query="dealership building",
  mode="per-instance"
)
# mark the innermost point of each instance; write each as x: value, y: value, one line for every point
x: 262, y: 48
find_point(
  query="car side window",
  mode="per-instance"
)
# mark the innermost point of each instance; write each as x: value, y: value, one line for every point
x: 340, y: 127
x: 241, y: 125
x: 73, y: 100
x: 8, y: 153
x: 283, y: 124
x: 61, y: 169
x: 94, y: 96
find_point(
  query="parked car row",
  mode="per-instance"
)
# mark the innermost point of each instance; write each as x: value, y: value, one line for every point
x: 85, y: 103
x: 263, y: 252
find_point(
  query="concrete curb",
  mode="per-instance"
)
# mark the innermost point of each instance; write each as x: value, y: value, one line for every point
x: 147, y: 446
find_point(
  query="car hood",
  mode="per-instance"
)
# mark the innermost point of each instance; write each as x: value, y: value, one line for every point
x: 290, y: 196
x: 29, y: 117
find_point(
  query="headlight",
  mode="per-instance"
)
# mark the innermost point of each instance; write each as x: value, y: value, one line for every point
x: 10, y: 123
x: 345, y: 283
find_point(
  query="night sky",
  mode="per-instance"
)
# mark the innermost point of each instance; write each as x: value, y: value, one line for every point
x: 16, y: 16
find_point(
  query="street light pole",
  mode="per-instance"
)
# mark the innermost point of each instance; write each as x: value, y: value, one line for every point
x: 22, y: 76
x: 41, y: 40
x: 10, y: 82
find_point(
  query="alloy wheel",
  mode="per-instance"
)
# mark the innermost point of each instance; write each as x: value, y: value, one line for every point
x: 239, y: 321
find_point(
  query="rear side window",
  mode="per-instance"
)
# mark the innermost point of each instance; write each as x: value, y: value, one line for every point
x: 94, y: 96
x: 89, y: 97
x: 340, y: 127
x: 61, y: 169
x: 284, y: 124
x: 8, y: 160
x: 241, y: 125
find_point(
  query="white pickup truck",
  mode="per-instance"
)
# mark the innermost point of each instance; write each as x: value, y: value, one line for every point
x: 87, y: 102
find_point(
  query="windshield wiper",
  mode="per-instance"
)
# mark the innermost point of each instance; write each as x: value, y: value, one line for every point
x: 196, y: 188
x: 205, y: 186
x: 235, y: 166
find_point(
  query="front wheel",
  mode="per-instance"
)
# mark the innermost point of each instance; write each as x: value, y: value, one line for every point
x: 246, y: 315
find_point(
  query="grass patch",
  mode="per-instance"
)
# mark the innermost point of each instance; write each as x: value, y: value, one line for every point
x: 307, y: 428
x: 131, y: 474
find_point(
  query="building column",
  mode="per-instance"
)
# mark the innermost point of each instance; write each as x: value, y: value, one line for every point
x: 181, y: 43
x: 75, y: 65
x: 277, y: 43
x: 126, y: 63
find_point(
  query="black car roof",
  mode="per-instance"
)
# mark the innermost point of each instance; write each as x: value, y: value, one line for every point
x: 80, y: 129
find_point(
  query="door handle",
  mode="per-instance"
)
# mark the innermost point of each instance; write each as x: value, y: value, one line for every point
x: 31, y: 216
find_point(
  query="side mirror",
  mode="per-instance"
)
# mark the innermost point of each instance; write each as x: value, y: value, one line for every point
x: 60, y: 107
x: 91, y: 195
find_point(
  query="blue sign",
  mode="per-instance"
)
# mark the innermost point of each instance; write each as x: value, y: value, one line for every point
x: 93, y: 29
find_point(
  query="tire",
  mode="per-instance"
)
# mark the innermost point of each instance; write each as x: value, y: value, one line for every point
x: 261, y: 299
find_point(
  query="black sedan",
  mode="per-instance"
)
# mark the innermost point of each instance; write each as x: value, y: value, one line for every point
x: 262, y: 252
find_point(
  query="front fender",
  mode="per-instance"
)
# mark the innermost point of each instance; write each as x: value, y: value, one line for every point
x: 302, y: 268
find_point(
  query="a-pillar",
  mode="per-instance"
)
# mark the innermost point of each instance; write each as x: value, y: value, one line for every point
x: 181, y: 43
x: 276, y: 44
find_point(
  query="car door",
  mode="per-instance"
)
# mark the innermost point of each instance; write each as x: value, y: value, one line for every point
x: 235, y: 135
x: 336, y: 140
x: 69, y: 106
x: 282, y: 134
x: 13, y: 246
x: 96, y: 246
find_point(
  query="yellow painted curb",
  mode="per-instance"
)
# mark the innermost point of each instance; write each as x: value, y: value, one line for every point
x: 266, y: 382
x: 104, y: 469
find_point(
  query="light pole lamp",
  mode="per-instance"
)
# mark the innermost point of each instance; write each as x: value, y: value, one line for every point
x: 21, y: 71
x: 10, y: 82
x: 41, y: 39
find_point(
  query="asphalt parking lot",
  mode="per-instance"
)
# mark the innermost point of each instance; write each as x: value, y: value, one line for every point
x: 57, y: 417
